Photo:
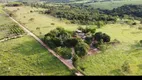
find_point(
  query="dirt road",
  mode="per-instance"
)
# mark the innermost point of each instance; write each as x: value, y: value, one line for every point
x: 68, y: 64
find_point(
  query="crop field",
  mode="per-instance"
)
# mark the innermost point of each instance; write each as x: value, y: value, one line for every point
x: 44, y: 23
x: 113, y: 4
x: 8, y: 28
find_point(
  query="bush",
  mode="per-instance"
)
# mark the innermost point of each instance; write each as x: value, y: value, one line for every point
x: 140, y: 42
x: 140, y: 28
x: 126, y: 67
x: 52, y: 23
x: 31, y: 19
x: 64, y: 52
x: 31, y: 11
x: 99, y: 36
x: 74, y: 59
x: 134, y: 23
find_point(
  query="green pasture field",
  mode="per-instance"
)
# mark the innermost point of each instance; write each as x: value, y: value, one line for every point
x: 111, y: 60
x: 25, y: 56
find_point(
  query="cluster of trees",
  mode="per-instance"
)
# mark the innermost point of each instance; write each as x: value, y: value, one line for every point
x: 130, y: 11
x: 77, y: 13
x: 85, y: 14
x: 62, y: 40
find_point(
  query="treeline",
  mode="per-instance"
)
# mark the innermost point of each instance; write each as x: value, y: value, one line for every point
x: 86, y: 15
x: 77, y: 13
x: 130, y: 11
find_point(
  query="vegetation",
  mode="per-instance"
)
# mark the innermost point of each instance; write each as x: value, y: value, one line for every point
x: 112, y: 35
x: 110, y: 61
x: 24, y: 56
x: 59, y: 38
x: 79, y: 14
x: 14, y: 4
x: 10, y: 30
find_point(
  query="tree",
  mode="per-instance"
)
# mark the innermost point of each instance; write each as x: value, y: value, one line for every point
x: 71, y: 42
x: 98, y: 36
x: 88, y: 40
x: 81, y: 49
x: 106, y: 38
x: 101, y: 36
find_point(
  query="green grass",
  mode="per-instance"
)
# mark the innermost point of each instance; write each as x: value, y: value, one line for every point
x: 3, y: 20
x: 7, y: 28
x: 114, y: 4
x: 40, y: 20
x: 25, y: 56
x: 110, y: 61
x: 122, y: 32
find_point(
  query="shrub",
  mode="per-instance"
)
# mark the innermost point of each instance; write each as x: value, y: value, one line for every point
x: 141, y: 42
x: 134, y: 23
x: 52, y: 23
x: 126, y: 67
x: 31, y: 19
x: 101, y: 36
x: 74, y: 59
x: 64, y: 52
x: 140, y: 28
x: 31, y: 11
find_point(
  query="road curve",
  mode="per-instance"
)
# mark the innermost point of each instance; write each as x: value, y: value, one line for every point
x: 70, y: 66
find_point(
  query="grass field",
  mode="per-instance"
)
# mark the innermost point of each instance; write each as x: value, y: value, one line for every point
x: 113, y: 4
x: 25, y: 56
x: 44, y: 22
x: 122, y: 32
x: 3, y: 20
x: 110, y: 61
